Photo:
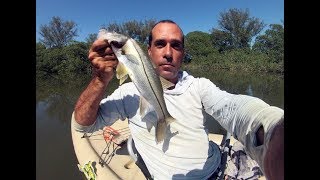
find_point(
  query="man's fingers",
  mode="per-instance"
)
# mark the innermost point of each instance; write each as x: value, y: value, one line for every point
x: 102, y: 57
x: 101, y: 48
x: 105, y: 52
x: 107, y: 61
x: 106, y: 56
x: 102, y: 62
x: 99, y: 44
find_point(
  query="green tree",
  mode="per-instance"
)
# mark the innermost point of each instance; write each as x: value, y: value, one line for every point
x: 237, y: 29
x: 72, y: 58
x: 77, y: 59
x: 222, y: 40
x: 114, y: 27
x: 40, y: 51
x: 145, y: 30
x: 91, y: 38
x: 271, y: 43
x: 138, y: 30
x: 58, y: 33
x: 198, y: 43
x: 50, y: 61
x: 132, y: 29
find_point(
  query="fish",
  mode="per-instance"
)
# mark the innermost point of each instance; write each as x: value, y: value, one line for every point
x: 134, y: 63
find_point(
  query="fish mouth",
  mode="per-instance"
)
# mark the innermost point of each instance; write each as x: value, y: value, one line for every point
x: 117, y: 44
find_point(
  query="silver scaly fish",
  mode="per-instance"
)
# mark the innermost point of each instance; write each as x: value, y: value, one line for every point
x: 134, y: 63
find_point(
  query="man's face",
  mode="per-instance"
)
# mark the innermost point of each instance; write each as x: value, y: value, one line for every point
x: 166, y: 51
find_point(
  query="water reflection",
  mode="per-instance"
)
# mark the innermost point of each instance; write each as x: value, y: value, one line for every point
x: 268, y: 87
x: 55, y: 99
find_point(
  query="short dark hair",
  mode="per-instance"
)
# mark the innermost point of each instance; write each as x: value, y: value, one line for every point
x: 164, y: 21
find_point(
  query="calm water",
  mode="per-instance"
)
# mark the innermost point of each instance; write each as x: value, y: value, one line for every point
x: 55, y: 99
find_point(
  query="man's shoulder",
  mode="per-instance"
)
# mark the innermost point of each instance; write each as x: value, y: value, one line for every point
x: 203, y: 84
x: 186, y: 75
x: 203, y: 80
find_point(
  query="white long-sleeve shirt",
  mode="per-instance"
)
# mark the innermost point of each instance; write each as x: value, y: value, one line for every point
x: 186, y: 152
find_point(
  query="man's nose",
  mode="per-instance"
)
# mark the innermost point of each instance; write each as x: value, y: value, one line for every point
x: 168, y: 52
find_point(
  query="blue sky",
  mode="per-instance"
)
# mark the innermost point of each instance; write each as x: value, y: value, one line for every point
x: 196, y: 15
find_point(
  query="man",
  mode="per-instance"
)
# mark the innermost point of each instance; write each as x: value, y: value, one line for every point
x: 185, y: 153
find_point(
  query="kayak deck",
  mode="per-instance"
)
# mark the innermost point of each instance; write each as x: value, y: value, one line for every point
x: 110, y: 160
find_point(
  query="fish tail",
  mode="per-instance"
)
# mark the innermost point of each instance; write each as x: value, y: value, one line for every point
x: 169, y: 120
x: 162, y: 128
x: 161, y: 131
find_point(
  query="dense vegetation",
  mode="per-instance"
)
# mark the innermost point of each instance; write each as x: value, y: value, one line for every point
x: 229, y: 46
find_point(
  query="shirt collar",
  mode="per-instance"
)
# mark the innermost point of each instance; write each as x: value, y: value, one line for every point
x: 184, y: 81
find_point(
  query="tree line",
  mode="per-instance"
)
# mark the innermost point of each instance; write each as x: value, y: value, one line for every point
x: 228, y: 46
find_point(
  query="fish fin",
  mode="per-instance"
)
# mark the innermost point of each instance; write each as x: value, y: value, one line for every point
x: 122, y: 72
x: 165, y: 83
x: 123, y: 79
x: 169, y: 120
x: 145, y: 107
x: 162, y: 128
x: 160, y: 131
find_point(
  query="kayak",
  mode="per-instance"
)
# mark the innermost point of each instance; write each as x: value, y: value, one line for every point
x: 108, y: 158
x: 107, y: 153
